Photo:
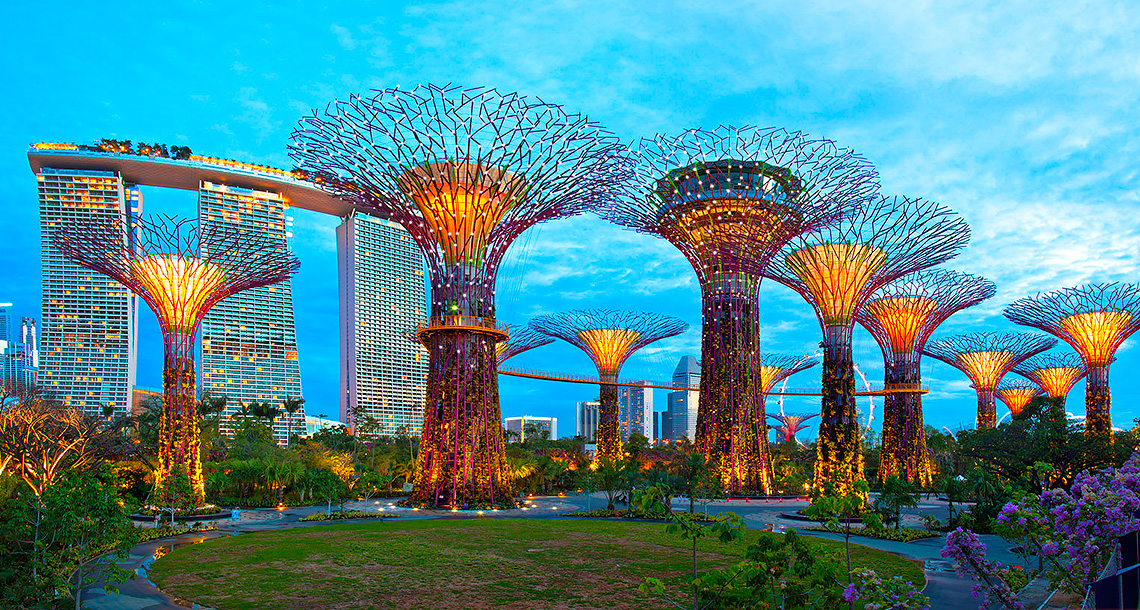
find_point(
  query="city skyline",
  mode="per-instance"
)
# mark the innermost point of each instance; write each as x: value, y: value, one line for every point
x: 1044, y: 187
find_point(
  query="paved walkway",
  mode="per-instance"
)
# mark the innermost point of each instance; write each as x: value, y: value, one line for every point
x: 944, y: 587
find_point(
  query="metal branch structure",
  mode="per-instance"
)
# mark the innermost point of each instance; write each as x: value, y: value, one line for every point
x: 985, y: 358
x: 1016, y: 394
x: 520, y: 339
x: 729, y: 199
x: 1055, y: 374
x: 180, y: 271
x: 837, y: 269
x: 902, y: 316
x: 1095, y: 319
x: 465, y: 172
x: 790, y: 424
x: 609, y: 338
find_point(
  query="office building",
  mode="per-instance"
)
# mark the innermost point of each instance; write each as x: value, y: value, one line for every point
x: 635, y: 411
x: 249, y: 344
x: 530, y: 427
x: 19, y: 351
x: 382, y: 298
x: 683, y: 403
x: 666, y: 427
x: 586, y: 420
x: 90, y: 322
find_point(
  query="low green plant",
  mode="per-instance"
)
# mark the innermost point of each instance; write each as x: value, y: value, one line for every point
x: 351, y: 514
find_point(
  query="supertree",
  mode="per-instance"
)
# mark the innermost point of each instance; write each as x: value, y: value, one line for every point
x: 837, y: 270
x: 609, y: 338
x: 464, y: 171
x: 1095, y: 319
x: 790, y: 423
x: 520, y: 339
x: 985, y: 358
x: 1055, y: 374
x: 901, y: 316
x: 1016, y: 394
x: 729, y: 199
x: 181, y: 271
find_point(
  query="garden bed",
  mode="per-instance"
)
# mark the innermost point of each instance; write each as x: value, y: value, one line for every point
x: 348, y: 514
x: 603, y: 513
x: 906, y: 534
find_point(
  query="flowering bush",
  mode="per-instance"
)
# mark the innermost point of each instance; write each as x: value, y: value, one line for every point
x: 874, y: 593
x: 970, y: 552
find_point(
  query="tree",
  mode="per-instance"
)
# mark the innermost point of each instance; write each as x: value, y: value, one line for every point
x: 834, y: 509
x: 291, y: 406
x: 324, y: 485
x: 895, y: 495
x: 39, y: 440
x: 636, y: 445
x: 607, y: 477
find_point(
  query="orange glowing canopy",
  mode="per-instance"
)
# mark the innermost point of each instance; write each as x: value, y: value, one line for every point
x: 1057, y: 381
x: 1096, y: 334
x: 178, y: 287
x: 461, y: 203
x: 836, y: 274
x: 1017, y: 397
x: 985, y: 368
x: 768, y: 376
x: 609, y: 347
x: 902, y: 318
x: 718, y: 227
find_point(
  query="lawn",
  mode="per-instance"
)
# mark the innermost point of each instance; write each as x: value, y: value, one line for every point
x: 451, y: 563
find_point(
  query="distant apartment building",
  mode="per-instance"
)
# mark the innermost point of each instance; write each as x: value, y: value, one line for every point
x: 635, y: 411
x: 666, y: 429
x: 382, y: 299
x: 683, y: 403
x: 89, y: 322
x: 19, y: 350
x: 528, y: 427
x: 249, y: 342
x: 586, y: 420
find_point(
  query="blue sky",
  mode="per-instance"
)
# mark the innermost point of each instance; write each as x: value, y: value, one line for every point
x: 1023, y: 116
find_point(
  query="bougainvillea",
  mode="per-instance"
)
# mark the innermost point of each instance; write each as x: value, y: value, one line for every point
x: 871, y: 592
x: 969, y: 551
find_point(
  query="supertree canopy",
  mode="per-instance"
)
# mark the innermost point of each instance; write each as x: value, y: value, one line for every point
x: 181, y: 272
x: 1016, y: 394
x: 465, y: 171
x: 837, y: 269
x: 729, y: 199
x: 791, y: 423
x: 1094, y: 319
x: 901, y: 316
x: 1055, y: 374
x: 985, y: 358
x: 520, y: 339
x: 609, y: 337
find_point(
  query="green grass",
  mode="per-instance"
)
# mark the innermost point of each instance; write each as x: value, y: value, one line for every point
x: 451, y: 563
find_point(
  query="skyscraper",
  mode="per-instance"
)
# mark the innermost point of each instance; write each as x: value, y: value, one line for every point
x: 89, y: 320
x: 586, y: 420
x: 683, y: 403
x: 249, y: 343
x: 382, y: 298
x: 527, y: 426
x: 20, y: 354
x: 635, y: 411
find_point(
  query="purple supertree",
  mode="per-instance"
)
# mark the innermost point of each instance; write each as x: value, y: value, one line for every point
x: 520, y: 339
x: 985, y: 358
x: 837, y: 270
x: 1055, y: 374
x: 791, y: 423
x: 901, y: 316
x: 729, y: 199
x: 1094, y: 319
x: 465, y: 171
x: 609, y: 338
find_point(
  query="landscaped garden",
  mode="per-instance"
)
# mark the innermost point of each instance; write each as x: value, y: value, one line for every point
x: 493, y: 563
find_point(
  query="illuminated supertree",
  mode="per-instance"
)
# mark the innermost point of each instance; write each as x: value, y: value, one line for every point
x: 901, y: 316
x: 1055, y: 374
x: 985, y: 358
x: 521, y: 339
x: 1016, y: 394
x: 181, y: 272
x: 1095, y: 319
x: 464, y: 171
x: 791, y: 423
x: 729, y: 199
x: 609, y: 338
x: 837, y: 270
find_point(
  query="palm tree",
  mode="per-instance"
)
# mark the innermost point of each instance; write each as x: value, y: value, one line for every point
x: 209, y: 404
x: 404, y: 470
x: 291, y: 406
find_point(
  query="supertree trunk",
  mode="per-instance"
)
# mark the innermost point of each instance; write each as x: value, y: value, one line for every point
x: 839, y: 458
x: 1098, y: 402
x: 609, y: 431
x: 178, y: 477
x: 987, y: 410
x: 903, y: 453
x: 462, y: 462
x: 731, y: 426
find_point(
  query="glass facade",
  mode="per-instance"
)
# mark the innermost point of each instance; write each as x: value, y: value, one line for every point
x: 635, y: 411
x: 682, y: 403
x: 382, y: 301
x: 89, y: 320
